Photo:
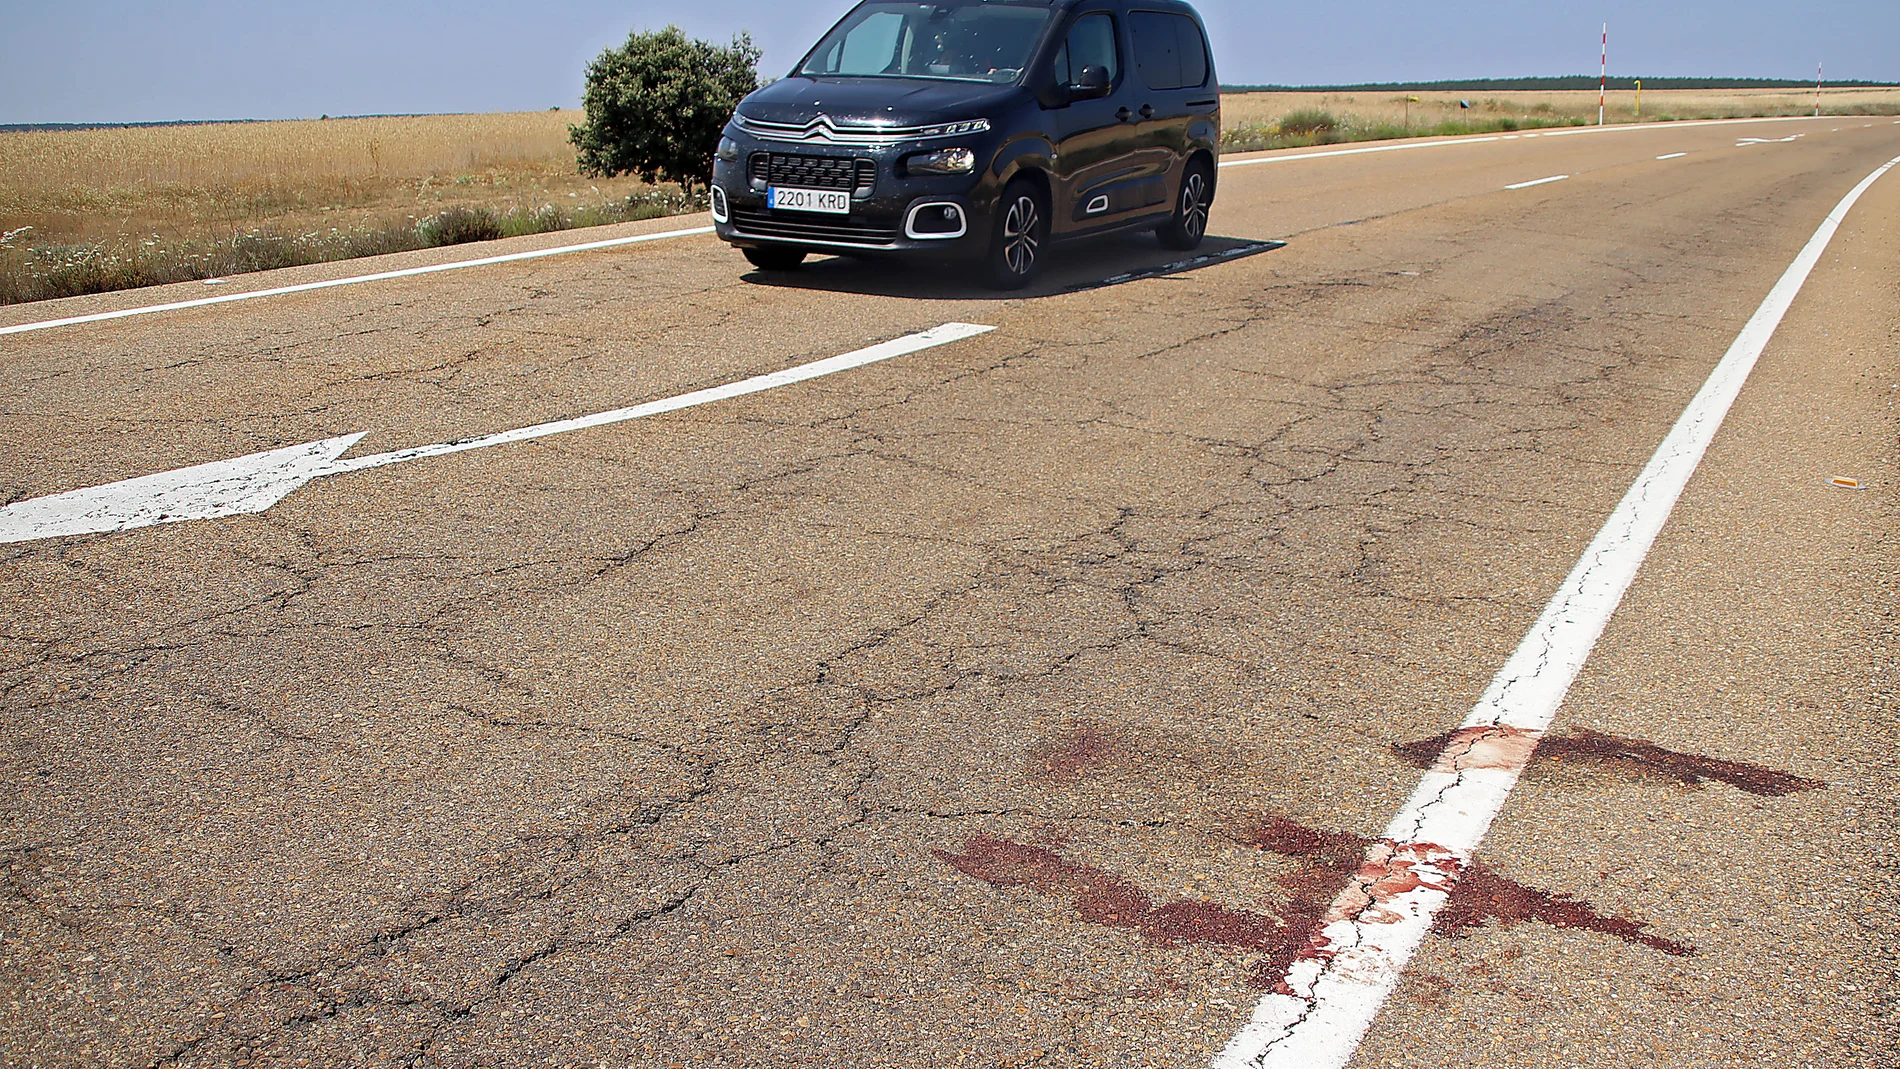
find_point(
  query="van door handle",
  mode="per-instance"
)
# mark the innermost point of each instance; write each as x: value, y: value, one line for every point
x: 1147, y: 111
x: 1123, y: 114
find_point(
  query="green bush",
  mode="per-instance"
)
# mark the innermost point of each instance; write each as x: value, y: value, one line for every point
x: 654, y: 107
x: 1309, y: 121
x: 456, y: 225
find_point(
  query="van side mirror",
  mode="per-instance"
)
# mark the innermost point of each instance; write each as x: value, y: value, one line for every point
x: 1091, y: 84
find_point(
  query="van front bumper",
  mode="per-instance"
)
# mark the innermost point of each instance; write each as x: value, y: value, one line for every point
x: 934, y: 216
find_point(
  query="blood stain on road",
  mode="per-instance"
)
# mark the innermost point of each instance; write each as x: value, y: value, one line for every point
x: 1480, y: 895
x: 1583, y: 746
x: 1101, y: 897
x: 1331, y: 859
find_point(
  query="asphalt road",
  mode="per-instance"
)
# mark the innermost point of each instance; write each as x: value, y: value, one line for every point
x: 1021, y: 701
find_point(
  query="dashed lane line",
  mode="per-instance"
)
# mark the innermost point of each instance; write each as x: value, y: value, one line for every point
x: 1539, y: 182
x: 1673, y: 156
x: 251, y: 484
x: 331, y: 283
x: 1330, y: 995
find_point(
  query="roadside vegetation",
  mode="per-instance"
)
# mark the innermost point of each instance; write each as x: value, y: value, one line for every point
x: 1303, y: 129
x: 656, y: 106
x: 1256, y: 121
x: 34, y: 272
x: 87, y: 211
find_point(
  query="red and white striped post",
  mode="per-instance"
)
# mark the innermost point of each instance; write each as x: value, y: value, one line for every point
x: 1817, y: 90
x: 1603, y: 86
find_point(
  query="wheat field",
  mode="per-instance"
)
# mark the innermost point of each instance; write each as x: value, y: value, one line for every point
x: 74, y: 186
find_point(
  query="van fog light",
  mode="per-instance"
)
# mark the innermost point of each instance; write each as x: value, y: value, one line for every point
x: 719, y: 211
x: 935, y: 221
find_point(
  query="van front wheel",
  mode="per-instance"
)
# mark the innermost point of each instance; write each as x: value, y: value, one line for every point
x: 1018, y: 237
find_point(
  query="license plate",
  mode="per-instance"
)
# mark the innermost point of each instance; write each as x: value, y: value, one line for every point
x: 831, y: 201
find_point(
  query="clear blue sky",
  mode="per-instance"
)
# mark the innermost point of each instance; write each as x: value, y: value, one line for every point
x: 119, y: 61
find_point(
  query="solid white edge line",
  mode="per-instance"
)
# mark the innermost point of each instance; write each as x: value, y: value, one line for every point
x: 1539, y: 182
x: 909, y: 343
x: 305, y: 287
x: 1355, y: 961
x: 1358, y: 151
x: 1673, y: 156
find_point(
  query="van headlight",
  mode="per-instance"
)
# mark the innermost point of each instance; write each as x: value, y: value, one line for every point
x: 942, y: 161
x: 728, y: 149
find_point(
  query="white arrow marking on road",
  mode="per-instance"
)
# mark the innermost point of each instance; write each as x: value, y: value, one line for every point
x: 201, y: 492
x: 254, y: 483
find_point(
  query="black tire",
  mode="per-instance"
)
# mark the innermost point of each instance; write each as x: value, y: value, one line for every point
x: 1189, y: 225
x: 775, y: 258
x: 1018, y: 237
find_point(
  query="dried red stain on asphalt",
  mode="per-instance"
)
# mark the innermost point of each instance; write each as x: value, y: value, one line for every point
x: 1101, y: 897
x: 1332, y: 861
x: 1064, y: 759
x: 1594, y: 747
x: 1479, y: 895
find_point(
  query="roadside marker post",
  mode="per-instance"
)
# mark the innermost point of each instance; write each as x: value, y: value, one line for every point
x: 1817, y: 90
x: 1639, y: 95
x: 1603, y: 83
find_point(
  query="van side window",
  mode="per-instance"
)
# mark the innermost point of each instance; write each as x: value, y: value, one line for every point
x: 1170, y: 52
x: 1090, y: 43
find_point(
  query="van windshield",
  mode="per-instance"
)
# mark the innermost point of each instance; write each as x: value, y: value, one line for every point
x: 974, y: 42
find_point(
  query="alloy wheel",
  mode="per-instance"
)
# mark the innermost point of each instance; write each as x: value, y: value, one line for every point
x: 1019, y: 235
x: 1194, y: 205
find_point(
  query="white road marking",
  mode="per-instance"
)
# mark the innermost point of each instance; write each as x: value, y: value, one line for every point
x: 305, y: 287
x: 254, y: 483
x: 1177, y: 266
x: 1673, y: 156
x: 1405, y: 146
x: 1354, y: 961
x: 1627, y: 127
x: 1764, y: 140
x: 1401, y: 147
x: 1539, y: 182
x: 232, y: 487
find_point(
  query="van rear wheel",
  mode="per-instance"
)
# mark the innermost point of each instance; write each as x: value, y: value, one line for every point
x: 775, y: 258
x: 1188, y: 225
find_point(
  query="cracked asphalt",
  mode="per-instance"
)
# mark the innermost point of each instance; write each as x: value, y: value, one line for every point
x: 1005, y: 704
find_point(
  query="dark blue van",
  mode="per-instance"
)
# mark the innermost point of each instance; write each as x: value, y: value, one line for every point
x: 977, y: 130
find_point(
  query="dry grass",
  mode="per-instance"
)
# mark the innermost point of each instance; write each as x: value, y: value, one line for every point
x: 89, y: 210
x: 178, y: 181
x: 1387, y: 109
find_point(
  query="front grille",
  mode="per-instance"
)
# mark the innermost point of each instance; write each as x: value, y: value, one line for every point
x: 813, y: 172
x: 807, y: 227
